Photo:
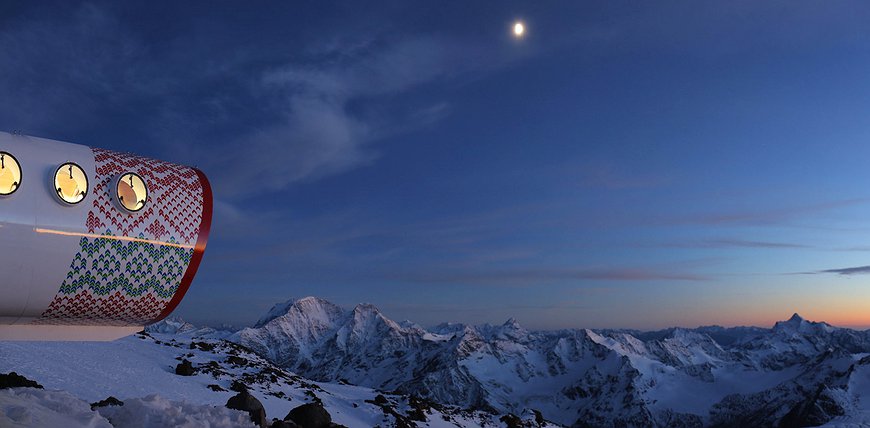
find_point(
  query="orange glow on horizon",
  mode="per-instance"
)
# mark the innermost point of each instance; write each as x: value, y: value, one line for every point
x: 854, y: 318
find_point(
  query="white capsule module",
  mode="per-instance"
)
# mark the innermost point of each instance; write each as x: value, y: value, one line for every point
x: 94, y: 244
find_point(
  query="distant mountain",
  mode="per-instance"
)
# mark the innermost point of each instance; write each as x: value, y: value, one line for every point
x: 798, y: 373
x: 177, y: 326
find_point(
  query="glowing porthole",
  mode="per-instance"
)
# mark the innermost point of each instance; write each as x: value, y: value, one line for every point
x: 10, y: 174
x: 71, y: 183
x: 132, y: 192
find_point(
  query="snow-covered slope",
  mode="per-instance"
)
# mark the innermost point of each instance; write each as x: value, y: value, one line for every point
x: 141, y: 371
x: 573, y: 377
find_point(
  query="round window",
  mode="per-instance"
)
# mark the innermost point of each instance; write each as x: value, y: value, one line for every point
x: 132, y: 192
x: 71, y: 183
x: 10, y: 174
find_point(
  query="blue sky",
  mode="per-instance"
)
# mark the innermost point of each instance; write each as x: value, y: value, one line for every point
x: 623, y: 165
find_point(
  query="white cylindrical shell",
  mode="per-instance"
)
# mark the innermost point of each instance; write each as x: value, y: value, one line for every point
x: 94, y: 264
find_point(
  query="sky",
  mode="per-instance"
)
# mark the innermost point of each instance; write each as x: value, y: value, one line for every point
x: 624, y: 164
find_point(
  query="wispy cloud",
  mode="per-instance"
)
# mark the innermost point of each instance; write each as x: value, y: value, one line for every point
x: 541, y: 276
x: 87, y: 61
x: 330, y: 109
x: 767, y: 217
x: 859, y: 270
x: 733, y: 243
x: 255, y: 119
x: 860, y: 248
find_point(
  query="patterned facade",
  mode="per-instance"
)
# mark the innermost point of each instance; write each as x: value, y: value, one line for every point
x: 130, y: 266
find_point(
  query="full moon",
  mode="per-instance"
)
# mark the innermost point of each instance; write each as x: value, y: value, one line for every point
x: 519, y: 29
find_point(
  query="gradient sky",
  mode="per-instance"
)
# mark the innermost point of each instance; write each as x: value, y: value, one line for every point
x: 624, y: 165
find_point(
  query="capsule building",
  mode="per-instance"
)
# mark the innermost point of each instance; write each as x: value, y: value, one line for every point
x: 94, y: 244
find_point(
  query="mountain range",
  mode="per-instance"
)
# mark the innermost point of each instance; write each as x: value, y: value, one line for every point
x: 797, y: 373
x: 367, y: 370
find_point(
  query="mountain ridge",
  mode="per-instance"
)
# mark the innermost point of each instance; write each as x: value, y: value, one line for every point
x: 573, y: 376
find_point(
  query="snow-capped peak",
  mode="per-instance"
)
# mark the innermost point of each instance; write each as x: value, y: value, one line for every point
x: 310, y: 308
x: 171, y: 325
x: 367, y: 318
x: 276, y: 311
x: 797, y: 324
x: 511, y: 330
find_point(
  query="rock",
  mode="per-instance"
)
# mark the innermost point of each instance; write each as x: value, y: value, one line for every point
x: 185, y: 369
x: 277, y: 423
x: 381, y: 400
x: 246, y: 402
x: 216, y: 388
x: 238, y: 361
x: 14, y: 380
x: 238, y: 386
x: 539, y: 417
x: 202, y: 346
x: 418, y: 409
x: 816, y: 410
x: 111, y: 401
x: 512, y: 421
x: 311, y: 415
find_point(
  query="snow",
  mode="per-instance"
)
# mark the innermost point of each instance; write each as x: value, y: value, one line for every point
x: 432, y: 337
x: 139, y: 370
x: 95, y: 370
x: 681, y: 393
x: 30, y: 407
x: 859, y: 390
x: 156, y: 411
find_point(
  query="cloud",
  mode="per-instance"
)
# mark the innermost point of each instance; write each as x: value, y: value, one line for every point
x: 859, y: 270
x: 733, y: 243
x: 59, y: 73
x: 256, y: 118
x: 854, y: 249
x: 767, y: 217
x: 333, y: 107
x: 542, y: 276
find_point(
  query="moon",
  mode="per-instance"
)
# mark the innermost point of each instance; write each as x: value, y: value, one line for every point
x: 519, y: 29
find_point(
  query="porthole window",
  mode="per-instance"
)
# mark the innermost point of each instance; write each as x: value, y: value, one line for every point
x: 132, y: 192
x: 71, y: 183
x: 10, y: 174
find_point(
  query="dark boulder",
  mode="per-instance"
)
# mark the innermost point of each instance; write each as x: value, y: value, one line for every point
x: 311, y: 415
x: 111, y: 401
x: 246, y: 402
x: 277, y: 423
x: 14, y: 380
x: 185, y: 369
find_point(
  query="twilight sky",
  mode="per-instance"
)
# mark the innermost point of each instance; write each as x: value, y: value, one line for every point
x: 624, y: 165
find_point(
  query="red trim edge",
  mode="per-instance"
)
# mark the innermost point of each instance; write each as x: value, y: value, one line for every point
x: 198, y: 251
